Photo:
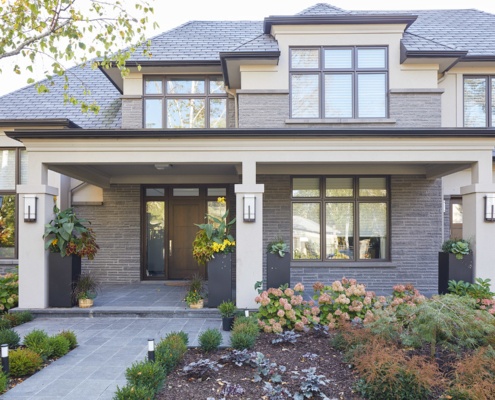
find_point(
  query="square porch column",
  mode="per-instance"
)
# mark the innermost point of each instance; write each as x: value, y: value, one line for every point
x: 33, y: 259
x: 249, y: 239
x: 479, y: 232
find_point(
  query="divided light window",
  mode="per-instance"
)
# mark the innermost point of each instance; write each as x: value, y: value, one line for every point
x: 339, y: 82
x: 340, y: 218
x: 479, y: 101
x: 184, y: 102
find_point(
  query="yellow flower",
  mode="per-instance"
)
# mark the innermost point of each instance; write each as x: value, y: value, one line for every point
x: 221, y: 200
x: 55, y: 241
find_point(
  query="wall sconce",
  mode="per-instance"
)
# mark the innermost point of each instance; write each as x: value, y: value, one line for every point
x: 490, y: 207
x: 249, y: 208
x: 30, y: 202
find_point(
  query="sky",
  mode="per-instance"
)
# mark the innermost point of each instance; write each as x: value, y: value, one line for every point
x: 170, y: 14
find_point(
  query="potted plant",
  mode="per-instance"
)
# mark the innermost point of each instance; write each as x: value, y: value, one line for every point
x: 214, y: 246
x: 455, y: 262
x: 86, y: 290
x: 277, y: 264
x: 194, y: 296
x: 67, y: 240
x: 227, y: 311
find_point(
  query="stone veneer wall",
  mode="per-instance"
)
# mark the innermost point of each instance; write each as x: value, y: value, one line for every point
x: 117, y: 227
x: 416, y: 216
x: 408, y: 108
x: 132, y: 112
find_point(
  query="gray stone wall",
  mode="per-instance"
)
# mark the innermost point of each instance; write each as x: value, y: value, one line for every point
x: 7, y: 266
x: 263, y: 110
x: 132, y: 113
x: 117, y: 227
x: 414, y: 109
x: 416, y: 218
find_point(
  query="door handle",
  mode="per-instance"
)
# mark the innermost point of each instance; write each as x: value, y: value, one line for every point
x: 170, y: 248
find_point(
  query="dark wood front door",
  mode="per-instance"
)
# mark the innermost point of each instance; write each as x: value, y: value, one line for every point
x: 184, y: 213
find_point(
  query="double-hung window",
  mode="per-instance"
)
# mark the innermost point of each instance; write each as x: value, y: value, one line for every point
x: 185, y: 102
x: 338, y: 82
x: 479, y: 101
x: 340, y: 218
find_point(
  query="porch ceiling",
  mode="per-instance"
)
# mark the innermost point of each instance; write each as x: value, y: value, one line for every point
x: 105, y: 174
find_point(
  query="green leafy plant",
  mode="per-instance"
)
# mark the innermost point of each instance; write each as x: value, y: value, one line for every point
x: 210, y: 339
x: 258, y: 286
x: 132, y: 392
x: 244, y: 333
x: 180, y: 334
x: 24, y: 362
x: 196, y: 290
x: 9, y: 291
x: 18, y: 318
x: 227, y: 309
x: 38, y: 341
x: 170, y: 351
x: 278, y: 247
x: 459, y: 247
x: 59, y: 345
x: 10, y: 337
x: 146, y: 374
x: 67, y: 235
x: 214, y: 237
x: 5, y: 324
x: 480, y: 291
x: 71, y: 337
x: 4, y: 382
x: 87, y: 287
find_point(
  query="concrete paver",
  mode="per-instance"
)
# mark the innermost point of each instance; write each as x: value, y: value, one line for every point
x: 107, y: 347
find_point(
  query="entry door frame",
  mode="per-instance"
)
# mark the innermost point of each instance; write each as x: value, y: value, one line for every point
x: 168, y: 198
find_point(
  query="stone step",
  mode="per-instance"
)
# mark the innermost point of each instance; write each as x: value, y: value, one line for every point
x: 122, y: 312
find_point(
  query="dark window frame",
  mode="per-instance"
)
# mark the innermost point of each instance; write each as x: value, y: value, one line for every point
x: 355, y: 71
x: 489, y: 123
x: 13, y: 192
x: 164, y: 96
x: 356, y: 200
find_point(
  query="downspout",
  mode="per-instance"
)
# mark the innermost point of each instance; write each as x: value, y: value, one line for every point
x: 236, y: 112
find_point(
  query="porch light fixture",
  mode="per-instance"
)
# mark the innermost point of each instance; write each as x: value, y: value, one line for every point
x: 30, y: 202
x: 161, y: 167
x: 490, y: 207
x: 249, y: 208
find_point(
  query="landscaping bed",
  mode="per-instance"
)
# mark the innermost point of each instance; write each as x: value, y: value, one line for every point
x: 310, y: 350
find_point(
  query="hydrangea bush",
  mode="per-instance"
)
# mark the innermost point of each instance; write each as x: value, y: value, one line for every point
x: 284, y: 308
x: 345, y: 300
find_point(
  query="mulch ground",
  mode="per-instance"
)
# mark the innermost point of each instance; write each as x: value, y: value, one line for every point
x: 309, y: 351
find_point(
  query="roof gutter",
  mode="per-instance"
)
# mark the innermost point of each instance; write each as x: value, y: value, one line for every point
x: 406, y: 19
x: 73, y: 134
x: 29, y: 122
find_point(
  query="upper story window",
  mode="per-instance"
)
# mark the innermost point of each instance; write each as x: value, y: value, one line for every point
x: 479, y: 101
x: 338, y: 82
x: 185, y: 102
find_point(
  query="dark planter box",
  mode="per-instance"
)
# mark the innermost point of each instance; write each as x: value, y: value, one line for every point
x: 63, y: 274
x: 277, y: 270
x: 227, y: 323
x: 219, y: 280
x: 450, y: 268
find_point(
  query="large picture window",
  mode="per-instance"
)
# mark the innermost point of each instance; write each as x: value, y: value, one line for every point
x: 339, y: 82
x: 184, y: 102
x: 340, y: 218
x: 479, y: 101
x: 13, y: 170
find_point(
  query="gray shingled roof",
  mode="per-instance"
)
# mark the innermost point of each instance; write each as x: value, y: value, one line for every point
x: 202, y: 40
x: 323, y: 9
x: 434, y: 30
x: 27, y: 103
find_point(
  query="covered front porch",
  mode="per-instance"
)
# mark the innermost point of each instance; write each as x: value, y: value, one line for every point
x: 259, y: 164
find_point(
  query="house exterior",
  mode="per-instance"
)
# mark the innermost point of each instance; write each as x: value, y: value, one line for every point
x: 342, y: 125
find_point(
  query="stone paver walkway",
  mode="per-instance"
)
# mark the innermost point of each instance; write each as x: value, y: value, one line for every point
x: 107, y: 346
